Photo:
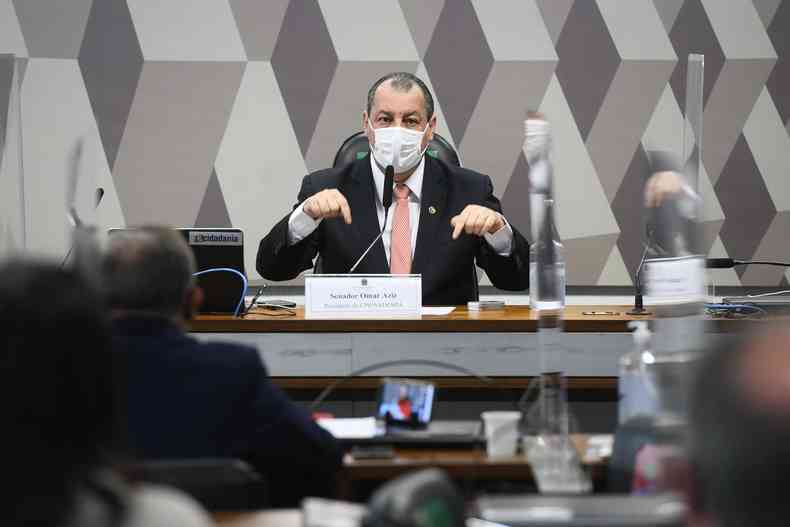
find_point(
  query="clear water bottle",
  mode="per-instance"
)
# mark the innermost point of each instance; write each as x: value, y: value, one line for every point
x: 675, y: 283
x: 637, y: 394
x: 536, y: 212
x: 547, y: 264
x: 552, y: 455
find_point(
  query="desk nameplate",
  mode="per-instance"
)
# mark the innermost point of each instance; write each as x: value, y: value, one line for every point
x: 363, y: 296
x: 674, y: 280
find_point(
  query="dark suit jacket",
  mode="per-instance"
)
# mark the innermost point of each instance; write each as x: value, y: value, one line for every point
x: 446, y: 265
x: 184, y: 398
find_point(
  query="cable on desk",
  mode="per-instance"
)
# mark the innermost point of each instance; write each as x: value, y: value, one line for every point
x: 734, y: 309
x: 772, y: 293
x: 234, y: 271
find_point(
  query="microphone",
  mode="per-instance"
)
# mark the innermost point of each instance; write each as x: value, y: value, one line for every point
x: 77, y: 222
x: 386, y: 201
x: 402, y: 362
x: 389, y: 182
x: 729, y: 263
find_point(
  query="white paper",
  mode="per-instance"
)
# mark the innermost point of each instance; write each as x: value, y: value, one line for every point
x: 674, y: 280
x: 436, y: 310
x: 350, y: 427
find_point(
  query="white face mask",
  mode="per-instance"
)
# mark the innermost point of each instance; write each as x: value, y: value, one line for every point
x: 399, y: 147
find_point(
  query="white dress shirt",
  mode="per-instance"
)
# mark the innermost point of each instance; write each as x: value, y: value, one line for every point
x: 301, y: 225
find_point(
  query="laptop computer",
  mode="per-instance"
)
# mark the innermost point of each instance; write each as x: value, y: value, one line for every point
x: 218, y: 249
x: 406, y: 408
x: 213, y: 249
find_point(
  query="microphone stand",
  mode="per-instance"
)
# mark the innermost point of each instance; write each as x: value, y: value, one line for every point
x: 359, y: 260
x: 78, y: 224
x: 402, y: 362
x: 386, y: 201
x: 639, y: 307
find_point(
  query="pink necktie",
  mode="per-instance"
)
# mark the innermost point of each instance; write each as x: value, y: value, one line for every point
x: 400, y: 242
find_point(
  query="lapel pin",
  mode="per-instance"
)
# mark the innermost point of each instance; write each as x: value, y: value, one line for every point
x: 431, y: 210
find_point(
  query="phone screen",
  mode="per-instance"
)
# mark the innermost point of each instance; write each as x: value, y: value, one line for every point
x: 406, y: 401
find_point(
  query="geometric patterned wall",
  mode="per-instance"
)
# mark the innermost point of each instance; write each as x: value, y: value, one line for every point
x: 209, y: 112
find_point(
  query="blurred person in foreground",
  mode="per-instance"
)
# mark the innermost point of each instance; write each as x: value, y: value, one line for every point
x: 57, y: 399
x: 190, y: 399
x: 740, y: 433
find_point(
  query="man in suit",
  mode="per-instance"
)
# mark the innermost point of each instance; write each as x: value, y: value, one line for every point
x: 185, y: 398
x: 445, y: 219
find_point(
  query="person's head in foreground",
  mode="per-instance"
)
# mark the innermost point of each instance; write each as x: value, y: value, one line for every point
x: 150, y: 271
x: 56, y: 391
x: 740, y: 433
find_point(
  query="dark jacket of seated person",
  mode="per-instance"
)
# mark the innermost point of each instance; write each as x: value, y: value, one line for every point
x: 185, y: 398
x: 447, y: 265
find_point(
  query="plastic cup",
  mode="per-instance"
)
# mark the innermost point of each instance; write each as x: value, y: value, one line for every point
x: 501, y: 429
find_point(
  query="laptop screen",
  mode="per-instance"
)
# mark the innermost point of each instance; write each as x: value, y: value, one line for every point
x: 213, y: 249
x: 216, y: 248
x: 406, y: 401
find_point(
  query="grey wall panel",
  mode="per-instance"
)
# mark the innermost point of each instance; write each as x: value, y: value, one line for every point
x: 259, y: 92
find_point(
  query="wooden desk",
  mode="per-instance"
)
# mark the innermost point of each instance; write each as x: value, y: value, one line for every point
x: 511, y: 319
x: 308, y: 354
x: 461, y: 462
x: 465, y: 466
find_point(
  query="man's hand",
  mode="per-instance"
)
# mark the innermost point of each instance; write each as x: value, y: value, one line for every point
x: 329, y: 203
x: 477, y: 220
x: 662, y: 185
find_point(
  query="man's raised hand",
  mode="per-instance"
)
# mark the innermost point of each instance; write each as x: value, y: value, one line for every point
x: 328, y: 203
x: 476, y: 220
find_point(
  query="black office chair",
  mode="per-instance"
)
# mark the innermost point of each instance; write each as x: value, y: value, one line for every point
x: 216, y: 483
x: 357, y: 147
